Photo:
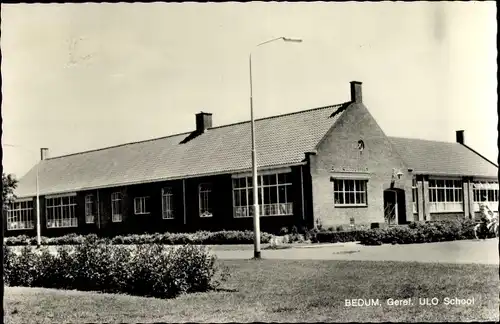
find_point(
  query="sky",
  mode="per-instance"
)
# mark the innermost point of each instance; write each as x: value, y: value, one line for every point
x: 84, y: 76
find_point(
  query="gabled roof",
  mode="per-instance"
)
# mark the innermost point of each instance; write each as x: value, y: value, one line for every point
x: 442, y: 158
x: 281, y: 140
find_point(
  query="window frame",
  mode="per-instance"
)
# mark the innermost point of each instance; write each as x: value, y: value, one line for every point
x: 477, y: 193
x: 116, y: 198
x: 92, y: 206
x: 355, y: 182
x: 270, y: 209
x: 167, y: 198
x: 20, y: 212
x: 414, y: 195
x: 443, y: 197
x: 56, y: 217
x: 205, y: 211
x: 142, y: 203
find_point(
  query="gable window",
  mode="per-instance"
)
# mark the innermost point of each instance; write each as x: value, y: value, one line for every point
x: 20, y: 215
x: 116, y: 207
x: 349, y: 192
x: 90, y: 209
x: 414, y: 194
x: 486, y: 192
x: 167, y: 197
x: 445, y: 196
x: 204, y: 193
x: 60, y: 211
x: 275, y: 195
x: 141, y: 205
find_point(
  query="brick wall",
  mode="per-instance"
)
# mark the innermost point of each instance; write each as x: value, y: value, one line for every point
x: 339, y: 150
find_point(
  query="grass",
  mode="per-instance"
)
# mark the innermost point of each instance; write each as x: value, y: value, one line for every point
x: 282, y: 291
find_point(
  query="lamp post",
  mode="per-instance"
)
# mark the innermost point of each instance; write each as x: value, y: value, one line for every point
x: 38, y: 229
x: 256, y: 211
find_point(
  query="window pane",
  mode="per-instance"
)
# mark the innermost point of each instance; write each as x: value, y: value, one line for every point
x: 339, y: 198
x: 440, y: 195
x: 282, y: 194
x: 237, y: 200
x: 449, y: 195
x: 361, y: 185
x: 283, y: 178
x: 349, y: 198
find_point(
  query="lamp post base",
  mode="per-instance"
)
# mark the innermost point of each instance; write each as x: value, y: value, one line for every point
x: 256, y: 255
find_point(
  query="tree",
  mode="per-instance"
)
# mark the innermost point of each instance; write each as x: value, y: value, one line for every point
x: 9, y: 184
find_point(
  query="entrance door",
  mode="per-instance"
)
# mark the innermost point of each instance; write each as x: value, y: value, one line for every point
x: 394, y: 206
x: 390, y: 206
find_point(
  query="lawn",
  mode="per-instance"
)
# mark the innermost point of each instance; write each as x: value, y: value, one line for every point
x: 283, y: 291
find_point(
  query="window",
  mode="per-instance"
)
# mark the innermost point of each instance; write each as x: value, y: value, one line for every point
x: 445, y: 196
x: 275, y: 195
x: 167, y: 209
x: 90, y: 210
x: 116, y: 206
x: 20, y: 215
x: 205, y: 191
x: 60, y: 212
x: 488, y: 191
x: 348, y: 192
x: 141, y: 205
x: 414, y: 193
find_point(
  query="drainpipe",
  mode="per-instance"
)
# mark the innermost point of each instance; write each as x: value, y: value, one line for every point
x: 98, y: 211
x: 302, y: 191
x: 184, y: 199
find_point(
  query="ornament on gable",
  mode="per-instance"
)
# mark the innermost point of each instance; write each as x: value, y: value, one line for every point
x: 361, y: 146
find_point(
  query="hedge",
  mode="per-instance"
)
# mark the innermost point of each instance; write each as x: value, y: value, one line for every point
x: 201, y: 237
x: 146, y: 270
x: 421, y: 233
x: 334, y: 237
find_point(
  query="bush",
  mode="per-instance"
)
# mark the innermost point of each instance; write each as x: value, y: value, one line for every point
x: 148, y: 270
x: 417, y: 232
x: 334, y: 237
x: 201, y: 237
x: 283, y: 231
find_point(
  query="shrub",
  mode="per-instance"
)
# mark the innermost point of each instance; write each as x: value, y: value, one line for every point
x: 201, y: 237
x: 421, y: 232
x: 312, y: 235
x: 148, y: 270
x: 283, y: 231
x: 334, y: 237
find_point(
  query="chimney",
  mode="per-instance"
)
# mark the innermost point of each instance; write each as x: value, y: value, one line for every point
x: 460, y: 137
x: 356, y: 94
x: 44, y: 153
x: 203, y: 121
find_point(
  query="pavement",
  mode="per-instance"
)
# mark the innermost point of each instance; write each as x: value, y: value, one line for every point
x: 466, y: 251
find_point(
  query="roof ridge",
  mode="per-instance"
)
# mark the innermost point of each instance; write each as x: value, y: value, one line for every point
x: 282, y: 115
x: 421, y: 139
x: 118, y: 145
x: 189, y: 132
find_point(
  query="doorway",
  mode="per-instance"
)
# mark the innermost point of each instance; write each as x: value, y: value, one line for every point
x: 394, y: 206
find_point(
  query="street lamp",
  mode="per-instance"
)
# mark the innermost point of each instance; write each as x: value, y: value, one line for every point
x: 38, y: 229
x: 256, y: 211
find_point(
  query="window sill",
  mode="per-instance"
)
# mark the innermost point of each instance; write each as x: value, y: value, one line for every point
x: 287, y: 215
x: 168, y: 218
x: 20, y: 229
x: 446, y: 211
x: 350, y: 206
x: 62, y: 227
x: 142, y: 213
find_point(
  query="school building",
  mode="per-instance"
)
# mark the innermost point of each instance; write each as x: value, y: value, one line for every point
x: 332, y: 165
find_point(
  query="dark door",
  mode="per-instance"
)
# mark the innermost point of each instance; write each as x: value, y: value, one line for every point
x: 394, y: 206
x: 390, y: 206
